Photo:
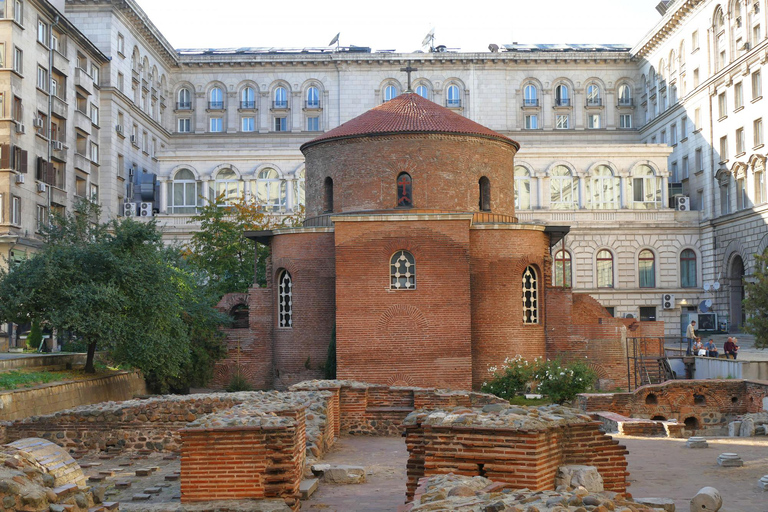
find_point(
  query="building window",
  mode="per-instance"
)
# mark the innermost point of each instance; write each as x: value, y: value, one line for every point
x: 270, y: 190
x: 757, y: 129
x: 695, y: 40
x: 646, y: 189
x: 299, y: 189
x: 724, y: 148
x: 390, y: 92
x: 485, y: 194
x: 248, y: 98
x: 647, y: 313
x: 18, y: 12
x: 453, y: 98
x: 738, y: 96
x: 673, y: 135
x: 184, y: 126
x: 422, y: 91
x: 42, y: 32
x: 42, y: 78
x: 593, y: 96
x: 625, y: 121
x: 120, y: 44
x: 688, y: 269
x: 740, y: 143
x: 248, y: 124
x: 683, y: 128
x: 402, y: 271
x: 722, y: 106
x: 604, y: 269
x: 563, y: 268
x: 285, y: 299
x: 698, y: 161
x: 280, y: 98
x: 531, y: 121
x: 561, y: 122
x: 228, y: 187
x: 215, y: 99
x: 522, y: 188
x: 603, y: 189
x: 404, y: 190
x: 625, y: 96
x: 562, y: 96
x: 94, y: 153
x: 313, y: 124
x: 663, y: 136
x: 15, y: 210
x: 216, y: 125
x: 18, y: 60
x: 759, y: 172
x: 593, y: 121
x: 673, y: 173
x: 725, y: 198
x: 185, y: 193
x: 530, y: 96
x: 647, y: 269
x: 685, y: 169
x: 741, y: 195
x: 757, y: 86
x: 185, y: 99
x: 530, y: 296
x: 95, y: 115
x: 328, y: 194
x: 564, y: 191
x: 313, y: 97
x: 281, y: 124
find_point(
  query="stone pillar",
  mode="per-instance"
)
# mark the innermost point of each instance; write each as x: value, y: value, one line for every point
x: 582, y: 191
x: 163, y: 195
x: 624, y: 198
x: 289, y: 199
x: 200, y: 118
x: 264, y: 112
x: 232, y: 110
x: 540, y: 192
x: 664, y: 191
x: 206, y: 192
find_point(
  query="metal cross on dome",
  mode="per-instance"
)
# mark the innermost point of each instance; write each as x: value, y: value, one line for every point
x: 408, y: 69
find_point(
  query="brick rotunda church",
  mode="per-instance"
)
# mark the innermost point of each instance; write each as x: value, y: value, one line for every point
x: 412, y: 255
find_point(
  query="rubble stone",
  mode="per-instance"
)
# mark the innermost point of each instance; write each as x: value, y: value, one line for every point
x: 573, y: 476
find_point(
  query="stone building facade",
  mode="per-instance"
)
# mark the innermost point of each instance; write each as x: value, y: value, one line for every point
x: 604, y: 131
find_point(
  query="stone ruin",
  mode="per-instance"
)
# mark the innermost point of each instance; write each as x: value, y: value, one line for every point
x: 260, y: 445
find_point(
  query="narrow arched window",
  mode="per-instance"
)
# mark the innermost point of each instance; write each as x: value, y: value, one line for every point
x: 530, y: 296
x: 281, y: 98
x: 328, y: 194
x: 270, y: 190
x: 248, y: 98
x: 216, y: 99
x: 562, y: 97
x: 422, y: 91
x: 454, y: 99
x: 593, y: 96
x: 563, y: 269
x: 402, y: 271
x: 185, y: 99
x: 485, y: 194
x: 390, y: 92
x: 647, y: 269
x: 604, y: 269
x: 530, y: 96
x: 522, y: 188
x: 688, y: 269
x: 404, y: 190
x: 313, y: 97
x: 625, y: 95
x: 285, y: 299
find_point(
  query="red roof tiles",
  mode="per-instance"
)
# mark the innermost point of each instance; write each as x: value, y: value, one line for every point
x: 408, y: 113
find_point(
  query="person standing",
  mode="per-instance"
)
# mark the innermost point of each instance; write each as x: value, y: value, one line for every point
x: 690, y: 333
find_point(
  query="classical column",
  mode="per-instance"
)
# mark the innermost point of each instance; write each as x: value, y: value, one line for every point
x: 163, y: 195
x: 289, y: 194
x: 582, y: 191
x: 664, y: 191
x: 624, y: 191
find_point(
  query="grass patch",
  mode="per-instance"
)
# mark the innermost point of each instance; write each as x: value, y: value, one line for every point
x: 17, y: 379
x: 531, y: 402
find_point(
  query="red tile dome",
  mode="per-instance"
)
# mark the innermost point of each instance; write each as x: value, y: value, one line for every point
x: 408, y: 113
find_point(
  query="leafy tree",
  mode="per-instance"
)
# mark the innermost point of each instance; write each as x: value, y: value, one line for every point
x: 35, y: 336
x: 221, y: 250
x: 756, y: 303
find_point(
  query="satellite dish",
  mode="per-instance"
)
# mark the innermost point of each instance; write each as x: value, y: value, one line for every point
x: 709, y: 303
x: 715, y: 286
x: 335, y: 39
x: 707, y: 287
x: 429, y: 37
x: 703, y: 308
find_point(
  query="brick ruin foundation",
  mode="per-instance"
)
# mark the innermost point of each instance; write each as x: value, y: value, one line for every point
x: 701, y: 406
x: 256, y: 445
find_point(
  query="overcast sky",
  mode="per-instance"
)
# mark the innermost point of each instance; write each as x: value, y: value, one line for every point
x: 400, y: 26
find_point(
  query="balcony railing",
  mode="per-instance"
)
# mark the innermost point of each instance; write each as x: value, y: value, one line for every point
x: 215, y: 105
x: 248, y: 104
x: 312, y: 104
x: 594, y: 102
x: 531, y: 102
x: 184, y: 105
x: 453, y: 103
x: 563, y: 102
x: 280, y: 104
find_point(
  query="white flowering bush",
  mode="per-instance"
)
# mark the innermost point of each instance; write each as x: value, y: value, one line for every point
x: 509, y: 380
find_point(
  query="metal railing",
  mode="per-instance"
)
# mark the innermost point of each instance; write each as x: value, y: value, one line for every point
x: 563, y: 102
x: 215, y: 105
x: 247, y: 104
x: 183, y: 105
x: 595, y: 102
x: 280, y: 104
x: 530, y: 102
x: 626, y: 102
x: 312, y: 104
x: 453, y: 103
x: 647, y: 360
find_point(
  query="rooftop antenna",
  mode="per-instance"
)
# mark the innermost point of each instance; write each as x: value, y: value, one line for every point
x: 335, y: 41
x: 429, y: 39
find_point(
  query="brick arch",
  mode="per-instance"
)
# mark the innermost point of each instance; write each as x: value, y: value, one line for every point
x: 398, y: 313
x: 599, y: 370
x: 400, y: 244
x: 400, y: 379
x: 231, y: 300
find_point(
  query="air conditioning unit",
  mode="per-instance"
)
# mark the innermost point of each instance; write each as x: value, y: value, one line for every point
x: 119, y: 129
x: 668, y: 301
x: 38, y: 123
x: 129, y: 209
x: 20, y: 128
x: 134, y: 140
x: 42, y: 187
x: 146, y: 209
x: 57, y: 146
x: 20, y: 178
x: 683, y: 203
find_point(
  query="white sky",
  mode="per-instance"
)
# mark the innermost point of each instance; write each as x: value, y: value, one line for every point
x: 399, y: 25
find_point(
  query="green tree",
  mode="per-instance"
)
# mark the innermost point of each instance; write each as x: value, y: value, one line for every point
x: 756, y: 303
x: 35, y: 336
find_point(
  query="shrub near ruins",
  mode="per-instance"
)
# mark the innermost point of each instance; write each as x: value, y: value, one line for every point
x: 560, y: 383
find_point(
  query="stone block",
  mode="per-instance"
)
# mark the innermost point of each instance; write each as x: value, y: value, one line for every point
x: 141, y: 497
x: 706, y: 500
x: 122, y: 484
x: 574, y: 476
x: 340, y: 474
x: 734, y: 429
x: 747, y: 428
x: 152, y: 490
x: 665, y: 504
x: 308, y: 487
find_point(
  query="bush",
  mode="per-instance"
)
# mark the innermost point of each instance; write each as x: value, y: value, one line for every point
x: 35, y: 336
x: 238, y: 383
x: 562, y: 383
x: 512, y: 378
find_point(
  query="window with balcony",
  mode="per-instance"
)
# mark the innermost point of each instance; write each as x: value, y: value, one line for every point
x: 530, y: 96
x: 280, y: 98
x: 564, y: 189
x: 270, y: 190
x: 216, y: 99
x: 248, y: 99
x: 522, y: 188
x: 645, y: 189
x: 603, y: 189
x: 562, y: 96
x: 228, y: 186
x: 594, y: 99
x: 313, y: 97
x: 184, y: 99
x: 625, y: 96
x: 453, y: 98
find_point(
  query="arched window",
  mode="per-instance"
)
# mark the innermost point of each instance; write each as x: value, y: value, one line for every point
x: 645, y: 189
x: 562, y: 96
x: 239, y: 316
x: 422, y: 91
x: 390, y: 92
x: 485, y: 194
x: 404, y: 190
x: 453, y: 97
x: 688, y: 269
x: 564, y: 191
x: 285, y: 299
x: 313, y: 97
x: 720, y: 43
x: 652, y: 77
x: 185, y: 193
x: 759, y: 172
x: 248, y: 98
x: 604, y: 269
x: 328, y: 194
x: 646, y: 265
x: 299, y: 189
x: 603, y: 189
x: 625, y: 95
x: 672, y: 63
x: 522, y: 188
x: 228, y: 186
x: 593, y: 96
x: 184, y: 99
x: 216, y: 99
x: 563, y: 268
x: 402, y: 271
x: 280, y: 97
x: 530, y: 296
x: 530, y: 96
x: 270, y: 190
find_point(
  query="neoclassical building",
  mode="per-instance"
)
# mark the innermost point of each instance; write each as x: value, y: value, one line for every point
x: 611, y: 138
